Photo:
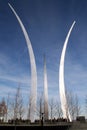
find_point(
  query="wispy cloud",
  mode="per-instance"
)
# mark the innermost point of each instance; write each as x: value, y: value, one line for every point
x: 76, y: 79
x: 22, y: 79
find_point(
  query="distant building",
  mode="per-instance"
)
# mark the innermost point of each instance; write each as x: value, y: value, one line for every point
x: 80, y: 118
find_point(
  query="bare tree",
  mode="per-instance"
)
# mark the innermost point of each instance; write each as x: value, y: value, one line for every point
x: 3, y: 109
x: 86, y: 104
x: 10, y: 107
x: 7, y: 104
x: 58, y: 110
x: 18, y: 105
x: 77, y: 106
x: 52, y: 108
x: 40, y: 106
x: 73, y: 105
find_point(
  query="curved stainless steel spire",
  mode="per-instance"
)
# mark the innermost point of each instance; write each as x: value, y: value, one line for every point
x: 33, y: 97
x: 64, y: 105
x: 45, y: 91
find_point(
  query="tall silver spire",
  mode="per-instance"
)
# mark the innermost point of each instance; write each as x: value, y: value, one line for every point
x: 64, y: 105
x: 45, y: 91
x: 33, y: 96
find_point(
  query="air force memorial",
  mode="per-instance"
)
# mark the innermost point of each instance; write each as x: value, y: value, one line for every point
x: 33, y: 93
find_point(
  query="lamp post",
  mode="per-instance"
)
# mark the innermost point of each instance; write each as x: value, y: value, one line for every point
x: 42, y: 118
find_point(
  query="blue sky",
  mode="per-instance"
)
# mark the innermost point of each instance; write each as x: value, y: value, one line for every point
x: 47, y: 23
